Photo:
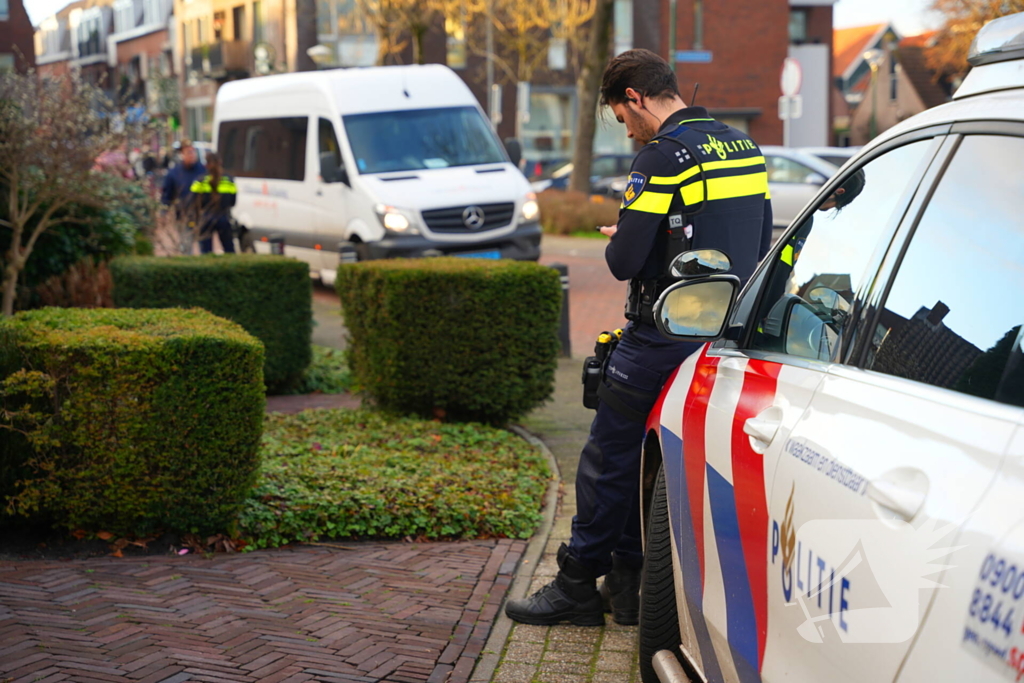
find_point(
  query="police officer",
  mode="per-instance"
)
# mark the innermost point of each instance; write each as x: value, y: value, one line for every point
x: 696, y: 184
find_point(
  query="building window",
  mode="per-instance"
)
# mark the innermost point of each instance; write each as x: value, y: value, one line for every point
x: 238, y: 22
x: 257, y: 22
x: 6, y: 60
x: 893, y: 77
x: 5, y: 10
x: 219, y: 19
x: 698, y: 24
x: 798, y: 26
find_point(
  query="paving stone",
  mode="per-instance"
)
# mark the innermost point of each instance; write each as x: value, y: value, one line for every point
x: 614, y: 661
x: 619, y: 641
x: 526, y: 633
x: 527, y: 653
x: 567, y: 656
x: 514, y: 672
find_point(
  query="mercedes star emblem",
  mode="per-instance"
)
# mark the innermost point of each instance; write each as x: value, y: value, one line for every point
x: 473, y: 217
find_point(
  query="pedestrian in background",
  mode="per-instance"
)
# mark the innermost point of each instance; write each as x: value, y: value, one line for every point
x: 212, y: 198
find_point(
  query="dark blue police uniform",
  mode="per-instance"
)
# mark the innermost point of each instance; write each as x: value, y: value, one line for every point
x: 700, y: 181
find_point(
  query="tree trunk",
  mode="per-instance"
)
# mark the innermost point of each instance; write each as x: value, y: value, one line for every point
x: 418, y: 32
x: 588, y: 87
x: 306, y: 36
x: 10, y: 288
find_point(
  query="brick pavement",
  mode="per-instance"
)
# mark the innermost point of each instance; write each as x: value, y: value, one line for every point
x: 361, y: 612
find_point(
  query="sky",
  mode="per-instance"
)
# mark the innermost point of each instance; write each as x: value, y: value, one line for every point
x: 910, y: 16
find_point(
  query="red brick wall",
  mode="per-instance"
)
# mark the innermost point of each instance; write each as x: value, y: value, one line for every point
x: 151, y: 44
x: 748, y: 39
x: 17, y: 32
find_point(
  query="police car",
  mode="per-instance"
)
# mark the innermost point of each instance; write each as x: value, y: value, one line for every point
x: 835, y: 483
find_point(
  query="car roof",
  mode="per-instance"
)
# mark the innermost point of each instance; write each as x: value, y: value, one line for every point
x: 818, y: 164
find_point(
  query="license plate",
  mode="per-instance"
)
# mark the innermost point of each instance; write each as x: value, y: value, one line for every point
x: 494, y: 253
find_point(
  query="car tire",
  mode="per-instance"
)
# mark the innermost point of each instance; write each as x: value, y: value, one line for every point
x: 659, y: 620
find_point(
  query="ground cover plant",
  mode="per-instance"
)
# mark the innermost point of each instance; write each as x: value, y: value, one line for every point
x: 327, y: 373
x: 335, y: 474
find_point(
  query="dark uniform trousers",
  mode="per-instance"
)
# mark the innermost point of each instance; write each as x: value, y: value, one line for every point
x: 607, y: 490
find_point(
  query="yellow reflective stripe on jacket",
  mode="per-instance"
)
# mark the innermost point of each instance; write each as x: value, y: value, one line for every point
x: 652, y: 202
x: 203, y: 186
x: 726, y: 188
x: 787, y: 255
x: 709, y: 166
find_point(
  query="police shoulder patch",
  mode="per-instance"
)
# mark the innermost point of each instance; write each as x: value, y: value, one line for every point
x: 634, y: 186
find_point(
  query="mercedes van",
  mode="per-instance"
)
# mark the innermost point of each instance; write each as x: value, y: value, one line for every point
x: 371, y: 163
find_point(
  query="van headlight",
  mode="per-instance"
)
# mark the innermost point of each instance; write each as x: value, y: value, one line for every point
x: 396, y: 220
x: 530, y: 208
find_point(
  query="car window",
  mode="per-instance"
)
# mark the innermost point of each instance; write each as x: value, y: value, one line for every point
x: 807, y: 299
x: 604, y: 167
x: 953, y: 315
x: 328, y: 145
x: 783, y: 170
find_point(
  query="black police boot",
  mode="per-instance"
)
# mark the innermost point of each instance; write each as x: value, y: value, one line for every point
x: 620, y: 593
x: 571, y: 597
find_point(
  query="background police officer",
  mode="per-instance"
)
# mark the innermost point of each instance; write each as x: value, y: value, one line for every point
x: 698, y: 184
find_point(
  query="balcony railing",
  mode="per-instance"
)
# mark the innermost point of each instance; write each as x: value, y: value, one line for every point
x: 219, y: 60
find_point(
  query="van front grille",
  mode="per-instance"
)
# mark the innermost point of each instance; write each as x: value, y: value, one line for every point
x: 454, y: 219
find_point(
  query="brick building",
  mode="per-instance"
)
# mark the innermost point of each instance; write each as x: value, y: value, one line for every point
x: 17, y: 49
x: 140, y: 51
x: 76, y: 38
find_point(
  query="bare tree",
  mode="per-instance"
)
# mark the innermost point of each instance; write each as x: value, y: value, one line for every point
x: 587, y: 86
x: 51, y: 133
x: 385, y: 16
x: 963, y: 20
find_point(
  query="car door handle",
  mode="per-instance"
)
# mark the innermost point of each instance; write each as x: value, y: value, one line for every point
x: 762, y: 428
x: 901, y: 492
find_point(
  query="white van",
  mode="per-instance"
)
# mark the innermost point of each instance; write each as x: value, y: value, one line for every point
x: 371, y: 163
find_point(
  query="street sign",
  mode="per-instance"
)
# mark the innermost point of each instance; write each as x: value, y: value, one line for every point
x: 792, y: 77
x: 694, y: 56
x: 791, y: 107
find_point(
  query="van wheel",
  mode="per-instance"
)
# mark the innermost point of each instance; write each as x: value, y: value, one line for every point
x: 659, y: 620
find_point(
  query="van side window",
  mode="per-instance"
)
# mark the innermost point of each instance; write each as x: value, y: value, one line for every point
x: 264, y: 148
x: 330, y: 151
x: 954, y: 315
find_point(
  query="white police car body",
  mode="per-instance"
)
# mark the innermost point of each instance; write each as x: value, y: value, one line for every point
x: 836, y: 485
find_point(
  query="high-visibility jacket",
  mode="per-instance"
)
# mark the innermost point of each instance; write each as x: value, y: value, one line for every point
x: 210, y: 208
x: 700, y: 175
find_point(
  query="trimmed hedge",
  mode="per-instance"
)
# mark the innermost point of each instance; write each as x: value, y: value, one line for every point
x: 270, y: 296
x: 137, y: 420
x: 465, y: 339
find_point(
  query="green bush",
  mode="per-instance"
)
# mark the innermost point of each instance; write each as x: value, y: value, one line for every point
x: 355, y: 474
x: 98, y: 234
x: 465, y: 339
x: 327, y: 373
x: 271, y: 297
x: 138, y: 420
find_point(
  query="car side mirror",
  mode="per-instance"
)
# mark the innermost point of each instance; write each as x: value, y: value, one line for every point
x: 815, y: 179
x: 330, y: 170
x: 514, y: 148
x: 696, y: 310
x: 700, y: 263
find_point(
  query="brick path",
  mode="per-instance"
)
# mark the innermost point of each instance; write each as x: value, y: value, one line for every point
x: 369, y: 612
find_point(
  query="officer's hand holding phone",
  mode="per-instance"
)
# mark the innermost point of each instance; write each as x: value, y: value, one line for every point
x: 607, y: 230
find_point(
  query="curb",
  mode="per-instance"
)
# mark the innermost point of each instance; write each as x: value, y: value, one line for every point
x: 495, y: 645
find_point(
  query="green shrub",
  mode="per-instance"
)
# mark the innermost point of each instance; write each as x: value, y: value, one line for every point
x: 97, y: 235
x: 466, y: 339
x: 327, y: 373
x: 563, y: 212
x: 138, y: 420
x: 345, y: 474
x: 271, y: 297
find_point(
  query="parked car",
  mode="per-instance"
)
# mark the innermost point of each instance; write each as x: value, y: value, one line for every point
x: 414, y: 170
x: 836, y: 156
x: 604, y: 168
x: 540, y: 169
x: 835, y: 480
x: 793, y: 179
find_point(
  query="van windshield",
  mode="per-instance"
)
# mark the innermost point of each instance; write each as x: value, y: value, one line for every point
x: 421, y: 138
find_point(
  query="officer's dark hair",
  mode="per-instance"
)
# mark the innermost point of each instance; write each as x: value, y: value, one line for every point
x: 642, y: 70
x: 852, y: 187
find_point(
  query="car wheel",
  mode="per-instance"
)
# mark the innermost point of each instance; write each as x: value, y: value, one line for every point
x: 659, y: 621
